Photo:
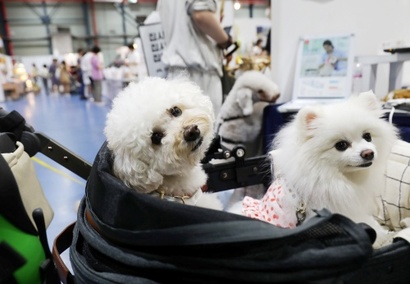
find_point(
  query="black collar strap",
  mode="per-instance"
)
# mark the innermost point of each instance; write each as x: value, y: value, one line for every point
x: 230, y: 141
x: 235, y: 117
x: 229, y: 119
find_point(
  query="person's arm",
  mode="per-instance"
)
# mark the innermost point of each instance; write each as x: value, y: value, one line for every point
x: 208, y: 23
x: 323, y: 61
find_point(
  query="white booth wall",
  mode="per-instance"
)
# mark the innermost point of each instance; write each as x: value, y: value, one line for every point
x: 372, y: 21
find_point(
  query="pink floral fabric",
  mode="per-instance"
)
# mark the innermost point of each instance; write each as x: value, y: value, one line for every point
x: 272, y: 208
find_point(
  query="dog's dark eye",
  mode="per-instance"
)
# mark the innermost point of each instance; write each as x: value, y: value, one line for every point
x: 342, y: 145
x: 175, y: 111
x: 156, y: 138
x: 367, y: 137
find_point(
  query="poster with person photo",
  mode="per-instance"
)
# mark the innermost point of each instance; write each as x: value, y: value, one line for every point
x: 324, y: 66
x: 325, y: 56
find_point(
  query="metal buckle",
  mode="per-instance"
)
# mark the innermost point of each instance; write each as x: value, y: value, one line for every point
x: 301, y: 213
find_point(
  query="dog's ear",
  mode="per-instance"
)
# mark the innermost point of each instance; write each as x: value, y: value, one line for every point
x: 244, y: 100
x: 369, y: 100
x: 307, y: 116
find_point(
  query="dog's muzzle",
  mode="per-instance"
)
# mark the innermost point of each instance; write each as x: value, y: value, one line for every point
x: 192, y: 134
x: 367, y: 156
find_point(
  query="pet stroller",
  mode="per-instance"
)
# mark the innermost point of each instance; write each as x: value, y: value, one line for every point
x: 121, y: 236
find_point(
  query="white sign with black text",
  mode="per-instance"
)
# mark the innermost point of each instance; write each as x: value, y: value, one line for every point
x: 153, y: 44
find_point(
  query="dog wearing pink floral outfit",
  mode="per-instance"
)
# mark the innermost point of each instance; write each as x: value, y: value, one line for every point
x: 329, y: 156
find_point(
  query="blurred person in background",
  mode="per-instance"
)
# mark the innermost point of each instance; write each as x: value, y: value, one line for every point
x: 257, y: 48
x: 53, y: 75
x: 65, y: 78
x: 85, y: 65
x: 132, y: 60
x: 97, y: 76
x: 195, y: 41
x: 80, y: 79
x: 44, y: 74
x: 34, y: 73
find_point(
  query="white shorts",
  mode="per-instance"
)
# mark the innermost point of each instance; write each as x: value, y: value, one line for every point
x: 209, y: 82
x: 86, y: 79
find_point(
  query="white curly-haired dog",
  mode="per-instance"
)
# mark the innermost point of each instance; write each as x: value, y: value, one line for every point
x: 158, y: 131
x: 240, y: 118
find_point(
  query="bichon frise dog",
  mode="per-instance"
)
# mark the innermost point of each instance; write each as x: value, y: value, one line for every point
x: 331, y: 156
x: 240, y: 118
x: 158, y: 131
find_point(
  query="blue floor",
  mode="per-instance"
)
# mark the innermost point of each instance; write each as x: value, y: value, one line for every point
x: 78, y: 126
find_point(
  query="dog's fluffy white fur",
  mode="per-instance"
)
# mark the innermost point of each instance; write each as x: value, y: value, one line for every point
x: 240, y: 117
x: 335, y: 156
x: 158, y: 131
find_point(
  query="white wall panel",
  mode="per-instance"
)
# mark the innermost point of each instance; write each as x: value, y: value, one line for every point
x: 372, y: 21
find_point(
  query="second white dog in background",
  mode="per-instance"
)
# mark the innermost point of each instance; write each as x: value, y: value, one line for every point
x: 331, y: 156
x: 240, y: 118
x: 240, y: 122
x: 158, y: 131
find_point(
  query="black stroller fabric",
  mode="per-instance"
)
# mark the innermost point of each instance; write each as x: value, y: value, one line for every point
x: 123, y: 236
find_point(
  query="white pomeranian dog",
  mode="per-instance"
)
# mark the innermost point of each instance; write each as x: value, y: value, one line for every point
x: 330, y: 156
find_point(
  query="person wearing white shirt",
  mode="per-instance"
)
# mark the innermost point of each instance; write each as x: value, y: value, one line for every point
x: 194, y: 42
x: 257, y: 48
x: 85, y: 65
x: 132, y: 60
x: 44, y: 74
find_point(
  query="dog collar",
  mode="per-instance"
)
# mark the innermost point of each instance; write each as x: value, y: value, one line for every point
x: 230, y: 141
x: 225, y: 119
x: 184, y: 199
x: 235, y: 117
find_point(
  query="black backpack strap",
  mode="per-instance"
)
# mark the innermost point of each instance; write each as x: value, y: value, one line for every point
x: 11, y: 205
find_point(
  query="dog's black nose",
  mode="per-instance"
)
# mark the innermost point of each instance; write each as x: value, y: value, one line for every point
x: 367, y: 155
x: 191, y: 133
